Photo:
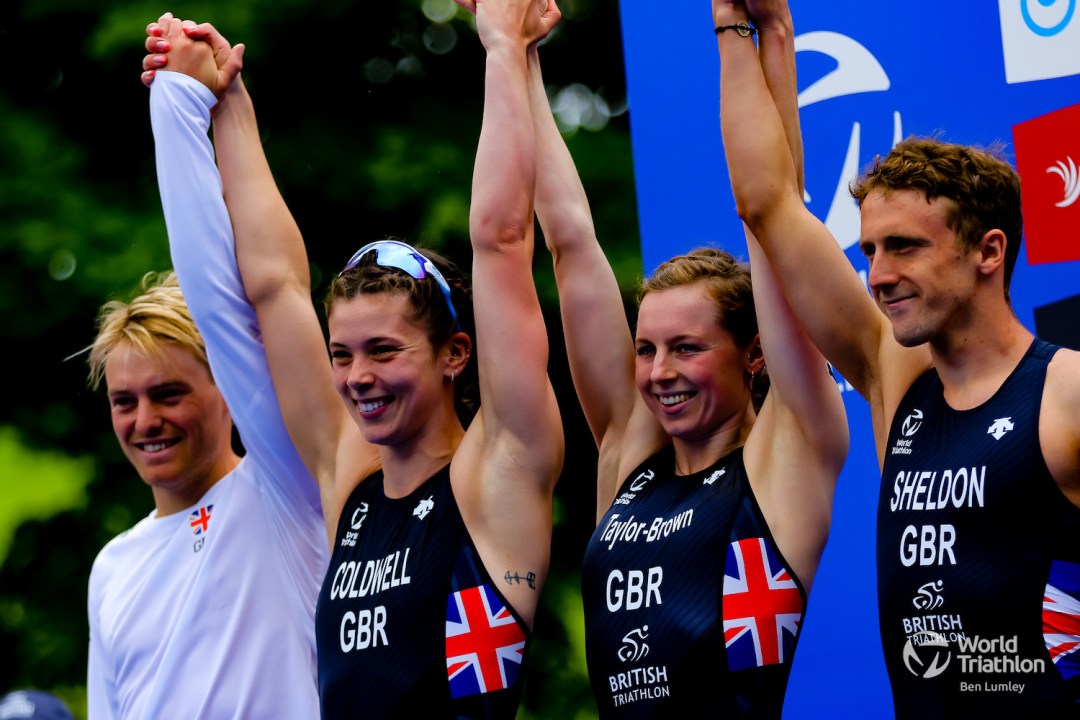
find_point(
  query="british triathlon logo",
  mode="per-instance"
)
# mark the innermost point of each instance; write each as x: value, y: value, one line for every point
x: 926, y: 654
x: 929, y: 596
x: 634, y: 646
x: 1039, y: 39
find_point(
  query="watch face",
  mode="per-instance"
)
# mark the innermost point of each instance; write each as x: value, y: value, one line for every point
x: 742, y: 27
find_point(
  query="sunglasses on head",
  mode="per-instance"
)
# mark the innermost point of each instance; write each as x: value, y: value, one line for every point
x: 395, y: 254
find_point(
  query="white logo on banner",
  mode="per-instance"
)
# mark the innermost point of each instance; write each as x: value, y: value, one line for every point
x: 857, y: 71
x: 1071, y: 178
x: 1039, y: 39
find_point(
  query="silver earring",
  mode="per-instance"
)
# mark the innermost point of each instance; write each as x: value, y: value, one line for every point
x: 453, y: 375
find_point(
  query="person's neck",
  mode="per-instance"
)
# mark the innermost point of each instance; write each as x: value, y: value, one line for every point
x: 406, y: 466
x: 695, y: 455
x: 168, y: 501
x: 973, y: 363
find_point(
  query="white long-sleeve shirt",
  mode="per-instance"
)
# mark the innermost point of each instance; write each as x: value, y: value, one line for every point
x: 209, y: 612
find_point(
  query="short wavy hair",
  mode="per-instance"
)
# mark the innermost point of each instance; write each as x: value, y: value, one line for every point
x: 156, y: 315
x: 984, y: 189
x: 727, y: 283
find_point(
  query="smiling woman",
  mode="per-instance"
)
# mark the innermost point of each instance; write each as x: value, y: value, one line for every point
x: 439, y: 535
x: 713, y: 505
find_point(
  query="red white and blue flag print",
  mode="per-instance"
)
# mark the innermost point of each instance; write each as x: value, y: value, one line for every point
x: 200, y: 519
x: 485, y: 645
x: 762, y: 606
x: 1061, y: 617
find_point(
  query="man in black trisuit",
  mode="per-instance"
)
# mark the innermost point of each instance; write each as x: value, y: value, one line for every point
x: 976, y: 422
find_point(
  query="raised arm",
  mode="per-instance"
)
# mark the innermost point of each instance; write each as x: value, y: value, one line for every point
x: 201, y: 243
x: 505, y: 470
x: 800, y: 441
x: 272, y: 261
x: 797, y: 370
x: 517, y: 403
x: 825, y: 292
x: 598, y: 340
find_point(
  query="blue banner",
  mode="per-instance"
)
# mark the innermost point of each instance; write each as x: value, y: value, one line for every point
x: 869, y: 74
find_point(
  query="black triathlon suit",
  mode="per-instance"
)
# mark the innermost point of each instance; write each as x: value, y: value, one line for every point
x: 690, y: 610
x: 409, y: 624
x: 978, y: 556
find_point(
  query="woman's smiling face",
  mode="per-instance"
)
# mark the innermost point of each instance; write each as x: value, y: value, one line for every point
x: 691, y: 374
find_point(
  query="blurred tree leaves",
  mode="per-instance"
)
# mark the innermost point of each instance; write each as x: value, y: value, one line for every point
x: 370, y: 114
x: 59, y: 484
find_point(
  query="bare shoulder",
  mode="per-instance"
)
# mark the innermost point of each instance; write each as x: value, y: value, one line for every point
x: 1063, y: 367
x: 1059, y: 422
x: 1063, y: 387
x: 899, y: 368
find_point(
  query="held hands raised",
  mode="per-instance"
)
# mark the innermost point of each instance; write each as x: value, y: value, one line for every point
x: 728, y: 12
x: 518, y: 22
x: 764, y: 14
x: 769, y: 13
x: 196, y: 50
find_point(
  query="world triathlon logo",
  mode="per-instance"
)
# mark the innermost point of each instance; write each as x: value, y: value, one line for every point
x: 926, y: 654
x: 912, y: 423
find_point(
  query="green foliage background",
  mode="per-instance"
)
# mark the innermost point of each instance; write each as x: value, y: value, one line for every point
x: 370, y: 114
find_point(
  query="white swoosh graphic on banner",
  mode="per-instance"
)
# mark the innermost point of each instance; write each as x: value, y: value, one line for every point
x: 1071, y: 177
x: 857, y: 71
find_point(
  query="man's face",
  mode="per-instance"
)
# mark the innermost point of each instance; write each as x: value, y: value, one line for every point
x: 171, y: 422
x: 920, y: 276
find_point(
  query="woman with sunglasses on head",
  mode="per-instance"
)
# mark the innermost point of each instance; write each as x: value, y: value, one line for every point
x: 712, y: 513
x: 440, y: 536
